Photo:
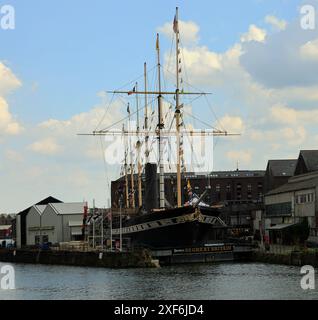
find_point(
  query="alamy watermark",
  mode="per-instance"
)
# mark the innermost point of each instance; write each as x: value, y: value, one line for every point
x: 308, y: 17
x: 307, y: 282
x: 7, y: 277
x: 7, y: 17
x: 196, y: 147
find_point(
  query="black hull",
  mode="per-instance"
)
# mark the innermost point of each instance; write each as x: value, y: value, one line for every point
x: 175, y: 228
x: 177, y: 236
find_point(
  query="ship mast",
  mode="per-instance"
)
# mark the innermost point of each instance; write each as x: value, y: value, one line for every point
x: 159, y: 132
x: 126, y: 172
x: 177, y: 112
x: 160, y: 127
x: 131, y: 165
x: 146, y: 116
x: 138, y: 146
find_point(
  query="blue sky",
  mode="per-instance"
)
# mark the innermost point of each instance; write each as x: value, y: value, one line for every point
x: 70, y: 50
x: 62, y: 54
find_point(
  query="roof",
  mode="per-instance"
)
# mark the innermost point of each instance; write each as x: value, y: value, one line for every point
x: 45, y: 201
x: 237, y: 174
x: 282, y: 226
x: 306, y: 181
x: 282, y: 168
x: 68, y: 208
x: 7, y: 215
x: 214, y: 174
x: 311, y: 159
x: 40, y: 208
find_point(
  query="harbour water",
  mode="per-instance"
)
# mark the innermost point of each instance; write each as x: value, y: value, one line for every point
x: 199, y: 282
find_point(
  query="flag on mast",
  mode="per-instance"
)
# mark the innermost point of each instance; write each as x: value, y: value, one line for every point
x: 157, y: 43
x: 175, y: 25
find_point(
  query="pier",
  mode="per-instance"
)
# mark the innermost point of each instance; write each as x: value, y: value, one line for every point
x: 135, y: 259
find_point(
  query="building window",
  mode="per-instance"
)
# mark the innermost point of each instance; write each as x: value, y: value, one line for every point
x: 228, y: 192
x: 239, y: 186
x: 217, y: 188
x: 249, y: 187
x: 279, y: 209
x: 260, y: 185
x: 37, y: 239
x: 305, y: 198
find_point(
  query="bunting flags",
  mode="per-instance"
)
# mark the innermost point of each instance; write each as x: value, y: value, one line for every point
x: 189, y: 186
x: 128, y: 109
x: 133, y: 91
x: 175, y: 25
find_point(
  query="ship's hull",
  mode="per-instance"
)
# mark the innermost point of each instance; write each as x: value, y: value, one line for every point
x: 175, y: 228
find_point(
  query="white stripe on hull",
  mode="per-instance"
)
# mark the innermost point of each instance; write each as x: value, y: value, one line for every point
x: 197, y: 216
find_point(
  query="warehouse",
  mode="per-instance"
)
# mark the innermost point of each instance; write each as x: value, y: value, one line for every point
x: 54, y: 223
x: 296, y: 200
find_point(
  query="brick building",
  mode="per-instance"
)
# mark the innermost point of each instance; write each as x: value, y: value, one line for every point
x: 240, y: 192
x: 224, y: 187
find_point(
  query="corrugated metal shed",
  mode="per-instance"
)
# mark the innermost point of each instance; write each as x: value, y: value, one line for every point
x: 295, y: 186
x: 40, y: 208
x: 68, y: 208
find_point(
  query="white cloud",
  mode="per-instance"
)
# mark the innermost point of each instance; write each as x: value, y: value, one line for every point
x: 232, y: 124
x: 294, y: 136
x: 84, y: 122
x: 60, y: 137
x: 8, y: 125
x: 287, y: 115
x: 189, y: 31
x: 287, y: 59
x: 13, y: 155
x: 292, y: 94
x: 275, y: 22
x: 79, y: 178
x: 283, y: 137
x: 47, y: 146
x: 200, y: 61
x: 8, y: 83
x: 309, y: 50
x: 254, y: 34
x: 242, y: 157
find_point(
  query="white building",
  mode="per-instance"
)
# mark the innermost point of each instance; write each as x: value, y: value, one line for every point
x: 33, y: 222
x: 55, y: 223
x: 292, y: 202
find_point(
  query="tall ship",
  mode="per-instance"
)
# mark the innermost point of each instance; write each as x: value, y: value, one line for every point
x: 189, y: 229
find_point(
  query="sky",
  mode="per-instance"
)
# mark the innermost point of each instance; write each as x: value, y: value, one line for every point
x: 62, y: 56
